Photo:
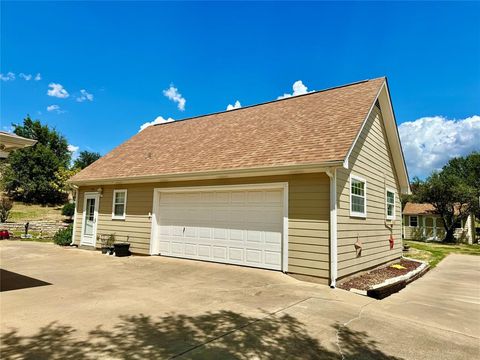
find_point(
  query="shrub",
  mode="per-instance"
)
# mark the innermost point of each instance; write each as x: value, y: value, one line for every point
x: 68, y: 210
x: 5, y: 206
x: 63, y: 237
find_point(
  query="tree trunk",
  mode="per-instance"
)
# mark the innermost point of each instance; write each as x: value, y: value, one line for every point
x: 449, y: 231
x: 449, y: 238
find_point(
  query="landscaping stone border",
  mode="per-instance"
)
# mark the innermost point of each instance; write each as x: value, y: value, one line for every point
x: 43, y: 228
x: 393, y: 285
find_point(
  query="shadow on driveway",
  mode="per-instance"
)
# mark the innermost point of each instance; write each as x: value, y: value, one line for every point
x: 221, y: 335
x: 13, y: 281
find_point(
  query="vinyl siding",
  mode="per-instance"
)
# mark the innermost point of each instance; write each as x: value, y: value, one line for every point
x: 370, y: 159
x: 308, y: 233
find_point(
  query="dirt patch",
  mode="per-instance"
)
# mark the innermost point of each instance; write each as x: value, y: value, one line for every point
x: 379, y: 275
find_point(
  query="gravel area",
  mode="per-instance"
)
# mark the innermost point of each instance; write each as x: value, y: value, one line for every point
x: 379, y: 275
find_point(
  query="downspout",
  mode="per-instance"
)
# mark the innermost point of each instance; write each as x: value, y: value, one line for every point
x: 332, y: 174
x: 75, y: 215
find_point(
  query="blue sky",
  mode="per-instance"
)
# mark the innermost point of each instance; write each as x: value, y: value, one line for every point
x: 125, y: 55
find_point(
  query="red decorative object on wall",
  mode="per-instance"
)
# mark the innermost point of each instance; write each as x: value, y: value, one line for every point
x: 391, y: 241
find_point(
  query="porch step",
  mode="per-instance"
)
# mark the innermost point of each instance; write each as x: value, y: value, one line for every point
x: 87, y: 247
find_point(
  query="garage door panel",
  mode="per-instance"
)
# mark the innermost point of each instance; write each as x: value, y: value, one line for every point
x: 253, y: 256
x: 204, y: 233
x: 177, y: 248
x: 204, y: 251
x: 272, y: 258
x: 240, y: 227
x: 236, y: 234
x: 220, y: 253
x: 191, y: 249
x: 235, y: 254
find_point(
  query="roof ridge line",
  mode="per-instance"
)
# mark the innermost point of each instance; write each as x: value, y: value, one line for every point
x: 270, y: 101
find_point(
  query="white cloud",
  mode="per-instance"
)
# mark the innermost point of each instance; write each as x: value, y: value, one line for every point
x: 7, y: 77
x: 53, y: 107
x: 298, y: 89
x: 26, y: 77
x: 158, y: 120
x: 57, y: 90
x: 237, y: 105
x: 73, y: 148
x: 84, y: 95
x: 429, y: 142
x: 173, y: 94
x: 38, y: 77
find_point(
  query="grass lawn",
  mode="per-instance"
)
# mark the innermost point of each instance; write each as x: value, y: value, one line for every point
x: 436, y: 252
x: 23, y: 212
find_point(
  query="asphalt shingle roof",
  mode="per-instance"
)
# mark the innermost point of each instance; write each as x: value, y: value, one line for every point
x: 315, y: 128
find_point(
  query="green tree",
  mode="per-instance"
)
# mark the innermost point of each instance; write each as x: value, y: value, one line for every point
x: 31, y: 174
x: 86, y: 158
x: 60, y: 182
x: 68, y: 210
x: 414, y: 187
x: 454, y: 192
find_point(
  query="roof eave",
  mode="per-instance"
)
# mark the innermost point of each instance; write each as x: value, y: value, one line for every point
x: 214, y: 174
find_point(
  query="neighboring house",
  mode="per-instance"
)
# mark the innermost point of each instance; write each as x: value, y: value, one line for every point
x: 421, y: 222
x: 10, y: 142
x: 308, y: 185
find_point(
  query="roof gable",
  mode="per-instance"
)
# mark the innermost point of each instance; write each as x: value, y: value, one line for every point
x: 318, y: 128
x: 382, y: 100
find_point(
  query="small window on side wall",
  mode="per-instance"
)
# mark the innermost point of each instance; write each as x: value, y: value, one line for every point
x: 390, y: 201
x: 413, y: 221
x: 119, y: 204
x: 358, y: 196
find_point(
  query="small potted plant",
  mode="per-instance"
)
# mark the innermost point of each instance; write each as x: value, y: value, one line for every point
x: 104, y: 243
x: 111, y: 243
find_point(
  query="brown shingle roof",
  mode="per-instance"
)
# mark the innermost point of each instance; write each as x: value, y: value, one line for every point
x: 315, y: 128
x: 418, y: 209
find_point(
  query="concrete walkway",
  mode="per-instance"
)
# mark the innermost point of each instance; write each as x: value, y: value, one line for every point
x: 81, y: 304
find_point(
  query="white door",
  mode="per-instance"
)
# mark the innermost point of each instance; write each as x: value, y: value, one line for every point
x: 90, y: 216
x: 241, y: 226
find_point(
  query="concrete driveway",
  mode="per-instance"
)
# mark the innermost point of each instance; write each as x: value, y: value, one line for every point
x: 81, y: 304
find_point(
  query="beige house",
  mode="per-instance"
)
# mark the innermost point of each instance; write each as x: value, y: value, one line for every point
x: 421, y: 222
x: 307, y: 185
x: 10, y: 142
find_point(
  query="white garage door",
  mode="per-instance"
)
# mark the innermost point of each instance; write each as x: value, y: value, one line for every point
x: 243, y: 226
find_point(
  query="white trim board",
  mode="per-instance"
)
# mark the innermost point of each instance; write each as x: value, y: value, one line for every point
x: 97, y: 205
x: 119, y: 217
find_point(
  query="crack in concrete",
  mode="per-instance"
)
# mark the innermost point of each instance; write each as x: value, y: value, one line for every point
x: 337, y: 334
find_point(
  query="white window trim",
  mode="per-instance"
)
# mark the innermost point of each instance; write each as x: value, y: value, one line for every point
x: 356, y: 213
x: 387, y: 190
x: 119, y: 217
x: 410, y: 221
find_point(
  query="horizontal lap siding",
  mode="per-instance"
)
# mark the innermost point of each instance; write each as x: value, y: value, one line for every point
x: 308, y: 217
x: 371, y: 160
x: 308, y: 233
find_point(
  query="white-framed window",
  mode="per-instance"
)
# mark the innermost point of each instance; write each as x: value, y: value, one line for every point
x: 358, y: 196
x: 390, y: 203
x: 119, y: 206
x: 413, y: 221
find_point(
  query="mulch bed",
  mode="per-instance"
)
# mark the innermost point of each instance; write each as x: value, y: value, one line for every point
x: 378, y: 276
